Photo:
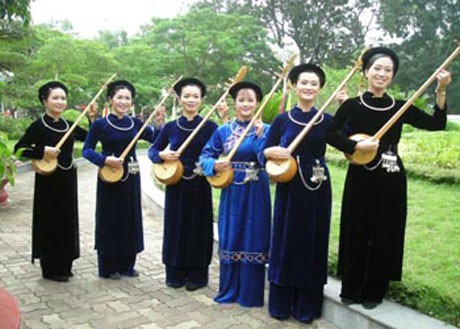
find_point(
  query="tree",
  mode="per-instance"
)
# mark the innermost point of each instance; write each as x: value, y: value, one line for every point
x: 82, y: 65
x: 427, y: 29
x: 192, y: 45
x: 325, y: 31
x: 14, y: 14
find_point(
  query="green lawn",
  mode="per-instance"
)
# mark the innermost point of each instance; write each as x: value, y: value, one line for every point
x: 431, y: 276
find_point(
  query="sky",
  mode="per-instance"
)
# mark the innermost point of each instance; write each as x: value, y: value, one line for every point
x: 90, y: 16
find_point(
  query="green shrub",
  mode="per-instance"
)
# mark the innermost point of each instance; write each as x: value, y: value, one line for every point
x: 72, y: 115
x: 14, y: 128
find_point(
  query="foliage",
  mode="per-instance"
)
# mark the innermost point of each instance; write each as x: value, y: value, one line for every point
x: 72, y: 115
x: 14, y: 14
x: 430, y: 275
x: 7, y: 161
x: 180, y: 46
x: 332, y: 32
x: 427, y: 29
x: 433, y: 156
x: 14, y: 128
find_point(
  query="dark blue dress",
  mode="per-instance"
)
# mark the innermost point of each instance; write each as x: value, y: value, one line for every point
x: 119, y: 232
x: 301, y: 221
x: 244, y: 217
x: 188, y: 217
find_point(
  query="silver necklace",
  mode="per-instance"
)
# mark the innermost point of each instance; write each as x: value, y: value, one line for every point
x: 182, y: 127
x: 304, y: 124
x: 234, y: 132
x: 377, y: 108
x: 120, y: 128
x: 54, y: 129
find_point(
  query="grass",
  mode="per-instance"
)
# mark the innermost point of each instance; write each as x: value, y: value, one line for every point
x: 431, y: 279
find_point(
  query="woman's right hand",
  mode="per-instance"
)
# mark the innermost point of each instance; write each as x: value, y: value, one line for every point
x: 367, y: 145
x: 114, y: 162
x: 277, y: 153
x: 220, y: 166
x: 51, y: 152
x: 169, y: 155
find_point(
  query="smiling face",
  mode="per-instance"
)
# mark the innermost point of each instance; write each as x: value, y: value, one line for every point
x: 245, y: 103
x: 307, y: 87
x: 190, y: 99
x: 121, y: 102
x: 379, y: 75
x: 56, y: 102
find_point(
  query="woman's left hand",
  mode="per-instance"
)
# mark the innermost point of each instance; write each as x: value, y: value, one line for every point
x: 92, y: 112
x: 444, y: 78
x: 159, y: 117
x: 258, y: 127
x: 341, y: 96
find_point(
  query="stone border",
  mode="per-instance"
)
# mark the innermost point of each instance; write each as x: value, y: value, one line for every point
x: 388, y: 315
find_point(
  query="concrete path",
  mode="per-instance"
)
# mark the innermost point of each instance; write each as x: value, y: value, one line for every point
x: 88, y: 302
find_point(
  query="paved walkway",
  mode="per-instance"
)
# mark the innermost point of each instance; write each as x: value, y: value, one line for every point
x: 88, y: 302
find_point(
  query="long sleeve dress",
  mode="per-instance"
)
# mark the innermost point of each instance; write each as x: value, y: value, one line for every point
x: 119, y: 233
x: 55, y: 235
x: 374, y: 203
x: 188, y: 217
x: 301, y: 221
x: 244, y: 216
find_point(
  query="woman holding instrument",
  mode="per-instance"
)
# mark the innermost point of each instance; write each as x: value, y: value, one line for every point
x: 302, y: 210
x: 374, y: 202
x: 244, y: 208
x: 119, y: 235
x: 55, y: 236
x: 188, y: 236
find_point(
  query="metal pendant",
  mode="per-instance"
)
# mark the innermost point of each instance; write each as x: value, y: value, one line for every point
x: 390, y: 162
x: 318, y: 175
x: 198, y: 170
x: 252, y: 173
x: 133, y: 167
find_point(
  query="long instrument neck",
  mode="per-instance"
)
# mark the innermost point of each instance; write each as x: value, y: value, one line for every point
x: 379, y: 134
x: 201, y: 124
x: 315, y: 118
x: 146, y: 123
x: 253, y: 120
x: 82, y: 114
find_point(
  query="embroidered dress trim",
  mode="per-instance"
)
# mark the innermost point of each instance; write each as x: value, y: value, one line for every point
x: 236, y: 131
x: 55, y: 129
x: 243, y: 256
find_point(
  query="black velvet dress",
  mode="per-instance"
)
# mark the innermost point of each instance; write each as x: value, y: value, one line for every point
x: 374, y: 204
x: 55, y: 236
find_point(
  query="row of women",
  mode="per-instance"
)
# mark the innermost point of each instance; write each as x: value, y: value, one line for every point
x: 293, y: 241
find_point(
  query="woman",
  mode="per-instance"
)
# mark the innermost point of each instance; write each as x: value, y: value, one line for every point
x: 374, y: 202
x: 187, y: 239
x: 244, y: 209
x: 301, y: 219
x: 119, y: 235
x: 55, y: 236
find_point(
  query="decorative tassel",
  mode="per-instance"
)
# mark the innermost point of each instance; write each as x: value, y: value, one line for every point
x: 361, y: 85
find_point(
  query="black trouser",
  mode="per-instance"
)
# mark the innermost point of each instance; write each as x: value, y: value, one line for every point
x: 364, y: 291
